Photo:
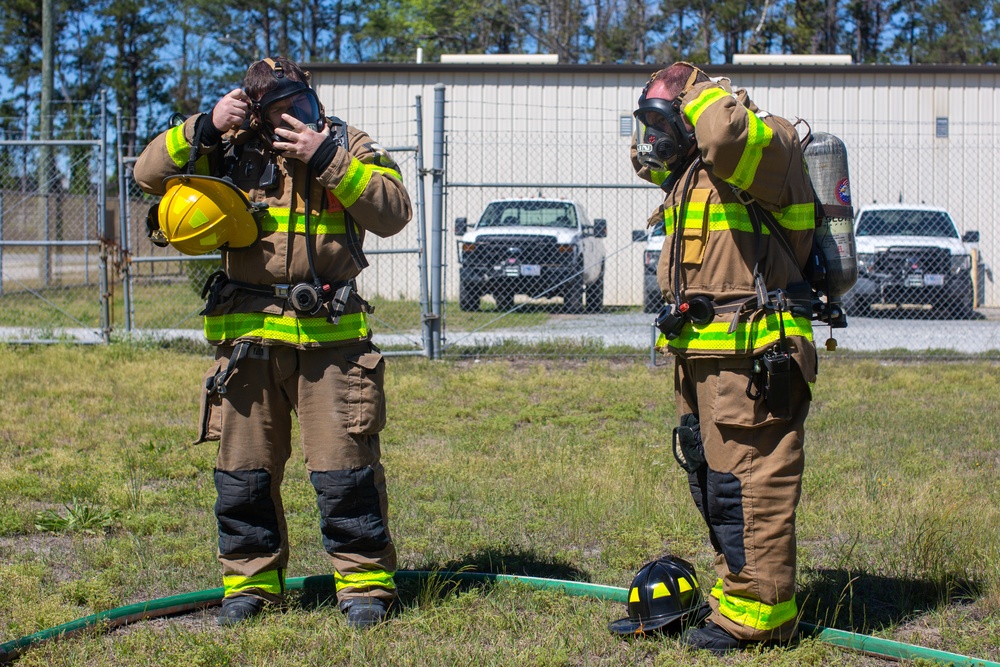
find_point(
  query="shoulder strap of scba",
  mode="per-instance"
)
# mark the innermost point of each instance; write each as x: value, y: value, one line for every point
x: 338, y: 130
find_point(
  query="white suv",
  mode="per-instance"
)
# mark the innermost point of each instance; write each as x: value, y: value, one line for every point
x: 652, y: 298
x: 536, y: 247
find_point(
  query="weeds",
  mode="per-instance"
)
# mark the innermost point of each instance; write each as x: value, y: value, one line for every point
x: 79, y: 518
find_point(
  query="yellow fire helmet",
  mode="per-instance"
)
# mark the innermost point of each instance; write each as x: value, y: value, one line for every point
x: 199, y: 214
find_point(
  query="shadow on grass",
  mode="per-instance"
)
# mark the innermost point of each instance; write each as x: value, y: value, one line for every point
x: 319, y: 591
x: 861, y: 602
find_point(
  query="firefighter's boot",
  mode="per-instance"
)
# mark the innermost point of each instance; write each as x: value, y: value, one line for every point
x: 711, y: 637
x: 364, y: 613
x: 239, y: 608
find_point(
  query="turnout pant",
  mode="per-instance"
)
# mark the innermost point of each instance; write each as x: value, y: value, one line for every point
x: 747, y: 492
x: 337, y: 395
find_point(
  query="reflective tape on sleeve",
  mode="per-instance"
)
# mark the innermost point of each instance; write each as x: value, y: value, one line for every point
x: 759, y: 137
x: 694, y: 109
x: 177, y: 146
x: 362, y: 580
x: 354, y: 182
x: 291, y: 330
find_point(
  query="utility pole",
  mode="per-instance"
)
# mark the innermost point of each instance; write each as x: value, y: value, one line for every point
x: 45, y: 163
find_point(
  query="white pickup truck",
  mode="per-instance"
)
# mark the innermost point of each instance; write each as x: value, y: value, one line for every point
x: 912, y: 255
x: 541, y: 248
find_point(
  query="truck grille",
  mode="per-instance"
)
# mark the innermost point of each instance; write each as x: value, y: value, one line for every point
x: 900, y: 261
x: 528, y: 249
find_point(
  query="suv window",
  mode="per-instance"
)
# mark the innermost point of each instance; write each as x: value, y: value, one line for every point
x: 529, y: 214
x: 906, y: 223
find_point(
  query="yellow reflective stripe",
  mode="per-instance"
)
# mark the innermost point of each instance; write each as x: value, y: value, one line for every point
x: 271, y: 581
x: 697, y: 106
x: 354, y: 182
x: 683, y: 585
x: 201, y: 166
x: 759, y: 136
x: 748, y: 335
x: 660, y: 590
x: 177, y: 146
x: 372, y: 579
x: 387, y: 170
x: 752, y: 613
x: 295, y: 330
x: 633, y: 595
x: 658, y: 176
x: 283, y: 220
x: 797, y: 217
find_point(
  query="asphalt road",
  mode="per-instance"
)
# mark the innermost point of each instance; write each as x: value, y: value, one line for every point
x: 866, y: 334
x: 635, y: 330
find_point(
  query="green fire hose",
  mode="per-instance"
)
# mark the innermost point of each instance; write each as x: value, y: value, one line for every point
x: 177, y: 604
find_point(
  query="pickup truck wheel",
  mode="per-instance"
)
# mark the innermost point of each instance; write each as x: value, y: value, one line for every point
x: 652, y: 302
x: 504, y: 299
x: 595, y: 295
x: 468, y: 297
x: 962, y: 308
x: 573, y: 298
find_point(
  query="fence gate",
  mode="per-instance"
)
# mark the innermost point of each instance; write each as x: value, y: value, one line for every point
x: 53, y: 260
x: 162, y: 288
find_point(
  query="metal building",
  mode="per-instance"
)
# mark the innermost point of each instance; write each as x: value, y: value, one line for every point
x: 915, y: 134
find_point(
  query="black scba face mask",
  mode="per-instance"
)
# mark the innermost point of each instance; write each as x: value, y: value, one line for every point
x: 301, y: 101
x: 665, y: 141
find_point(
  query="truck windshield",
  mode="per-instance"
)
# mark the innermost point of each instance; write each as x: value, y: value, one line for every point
x: 905, y: 222
x: 529, y: 213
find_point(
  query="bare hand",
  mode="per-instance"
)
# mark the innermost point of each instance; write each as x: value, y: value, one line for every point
x: 230, y: 112
x: 300, y: 142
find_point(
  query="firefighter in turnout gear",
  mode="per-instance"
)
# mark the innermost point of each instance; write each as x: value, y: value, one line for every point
x: 292, y: 334
x: 739, y: 215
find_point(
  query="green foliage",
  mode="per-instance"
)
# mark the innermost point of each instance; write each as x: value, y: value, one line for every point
x: 77, y: 518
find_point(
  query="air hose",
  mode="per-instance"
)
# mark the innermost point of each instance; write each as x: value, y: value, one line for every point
x: 187, y: 602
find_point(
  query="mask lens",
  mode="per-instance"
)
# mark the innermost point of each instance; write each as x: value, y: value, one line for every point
x: 304, y: 107
x: 654, y: 119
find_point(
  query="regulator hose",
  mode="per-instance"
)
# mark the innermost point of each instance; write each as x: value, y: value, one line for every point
x: 187, y: 602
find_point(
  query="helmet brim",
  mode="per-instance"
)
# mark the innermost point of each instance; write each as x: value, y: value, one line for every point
x: 665, y: 623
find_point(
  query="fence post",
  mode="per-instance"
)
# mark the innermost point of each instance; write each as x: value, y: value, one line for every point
x: 102, y: 216
x: 125, y: 263
x: 437, y: 226
x: 425, y: 320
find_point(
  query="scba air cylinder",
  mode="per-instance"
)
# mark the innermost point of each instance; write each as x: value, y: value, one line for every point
x: 826, y: 158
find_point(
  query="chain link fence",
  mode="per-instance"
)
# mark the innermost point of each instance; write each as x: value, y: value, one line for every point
x: 514, y: 276
x: 53, y: 258
x: 539, y: 241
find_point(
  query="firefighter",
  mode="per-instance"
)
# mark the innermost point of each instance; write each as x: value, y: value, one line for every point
x: 292, y: 332
x: 739, y: 217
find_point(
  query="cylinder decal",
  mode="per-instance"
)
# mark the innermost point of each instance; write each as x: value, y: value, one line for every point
x: 844, y: 191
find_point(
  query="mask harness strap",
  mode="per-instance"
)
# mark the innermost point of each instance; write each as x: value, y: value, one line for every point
x: 679, y: 226
x: 337, y: 302
x: 199, y: 126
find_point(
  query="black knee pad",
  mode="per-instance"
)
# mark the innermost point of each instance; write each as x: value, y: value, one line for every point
x: 248, y: 521
x: 350, y: 512
x: 725, y: 516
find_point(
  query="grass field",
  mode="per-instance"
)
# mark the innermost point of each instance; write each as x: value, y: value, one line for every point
x: 548, y: 468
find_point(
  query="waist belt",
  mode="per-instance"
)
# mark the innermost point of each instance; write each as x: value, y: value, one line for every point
x: 306, y: 298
